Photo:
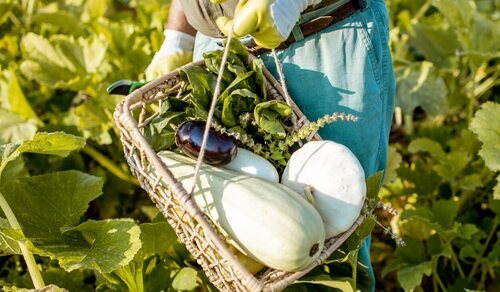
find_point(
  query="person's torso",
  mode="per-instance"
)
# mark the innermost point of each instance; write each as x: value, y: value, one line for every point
x: 202, y: 14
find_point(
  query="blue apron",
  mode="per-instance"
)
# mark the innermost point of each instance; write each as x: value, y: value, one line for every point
x: 347, y: 68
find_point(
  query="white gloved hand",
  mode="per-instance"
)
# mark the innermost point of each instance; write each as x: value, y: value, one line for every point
x: 270, y: 22
x: 176, y: 51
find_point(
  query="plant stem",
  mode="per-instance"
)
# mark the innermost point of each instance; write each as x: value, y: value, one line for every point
x: 421, y: 12
x: 438, y: 280
x: 109, y: 165
x: 408, y: 123
x: 308, y: 191
x: 457, y: 263
x: 485, y: 246
x: 14, y: 20
x: 435, y: 275
x: 355, y: 270
x: 482, y: 280
x: 36, y: 277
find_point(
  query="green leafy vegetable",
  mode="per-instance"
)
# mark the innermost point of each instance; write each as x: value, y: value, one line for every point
x: 486, y: 124
x: 238, y: 102
x: 268, y: 116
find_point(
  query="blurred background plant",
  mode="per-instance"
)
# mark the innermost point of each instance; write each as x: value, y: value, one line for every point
x: 56, y: 59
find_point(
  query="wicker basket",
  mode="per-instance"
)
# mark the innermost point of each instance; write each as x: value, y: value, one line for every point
x: 193, y: 228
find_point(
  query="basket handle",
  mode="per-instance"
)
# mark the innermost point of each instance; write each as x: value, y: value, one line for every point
x: 281, y: 76
x: 211, y: 111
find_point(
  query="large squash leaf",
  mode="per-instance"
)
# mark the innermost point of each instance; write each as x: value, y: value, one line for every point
x: 49, y: 207
x: 62, y: 61
x: 418, y: 85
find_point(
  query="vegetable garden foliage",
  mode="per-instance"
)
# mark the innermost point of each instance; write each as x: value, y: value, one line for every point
x: 444, y: 158
x: 72, y: 210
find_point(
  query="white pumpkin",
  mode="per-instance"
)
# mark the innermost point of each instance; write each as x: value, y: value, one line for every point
x: 337, y: 180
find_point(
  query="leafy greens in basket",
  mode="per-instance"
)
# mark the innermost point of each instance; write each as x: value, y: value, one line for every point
x: 243, y: 108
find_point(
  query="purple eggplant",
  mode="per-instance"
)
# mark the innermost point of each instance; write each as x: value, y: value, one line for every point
x: 220, y: 150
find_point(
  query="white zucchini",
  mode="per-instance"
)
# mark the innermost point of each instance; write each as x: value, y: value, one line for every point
x: 337, y: 180
x: 252, y: 164
x: 264, y: 220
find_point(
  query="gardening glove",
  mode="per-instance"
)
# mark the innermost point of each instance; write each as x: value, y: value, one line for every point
x: 176, y: 50
x: 269, y: 22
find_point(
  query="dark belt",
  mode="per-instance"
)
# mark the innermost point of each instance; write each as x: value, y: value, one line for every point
x: 315, y: 25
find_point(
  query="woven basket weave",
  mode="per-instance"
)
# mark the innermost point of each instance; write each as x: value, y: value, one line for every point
x: 193, y: 228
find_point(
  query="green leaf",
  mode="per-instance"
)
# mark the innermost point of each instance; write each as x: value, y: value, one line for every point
x: 238, y: 48
x: 494, y: 205
x: 260, y: 79
x: 393, y: 164
x: 413, y: 252
x: 160, y: 274
x: 435, y: 247
x: 73, y: 281
x: 14, y: 128
x: 434, y: 38
x: 427, y: 145
x: 13, y: 170
x: 466, y: 231
x: 63, y: 20
x: 418, y: 85
x: 44, y: 204
x: 474, y: 31
x: 7, y: 152
x: 202, y: 84
x: 445, y: 212
x: 268, y: 117
x: 62, y: 61
x: 5, y: 9
x: 213, y: 60
x: 18, y: 104
x: 421, y: 179
x: 128, y: 277
x: 238, y: 102
x: 94, y: 120
x: 49, y: 288
x: 96, y: 8
x: 156, y: 238
x: 186, y: 279
x: 243, y: 80
x: 356, y: 239
x: 56, y: 143
x: 110, y: 244
x: 49, y: 207
x: 410, y: 277
x: 451, y: 167
x: 472, y: 182
x: 468, y: 251
x: 343, y: 284
x: 373, y: 184
x: 486, y: 125
x: 9, y: 238
x: 160, y: 132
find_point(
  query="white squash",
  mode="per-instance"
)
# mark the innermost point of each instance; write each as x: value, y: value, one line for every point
x: 265, y: 220
x: 337, y: 180
x: 252, y: 164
